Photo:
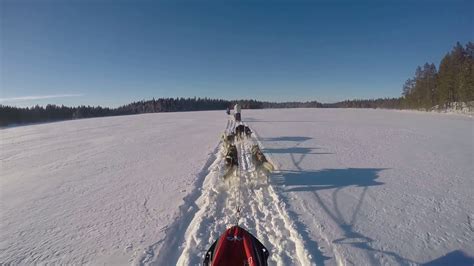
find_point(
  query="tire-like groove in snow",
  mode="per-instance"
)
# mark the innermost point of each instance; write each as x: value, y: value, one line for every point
x: 263, y: 213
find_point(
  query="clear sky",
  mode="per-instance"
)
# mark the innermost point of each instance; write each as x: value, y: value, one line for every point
x: 113, y: 52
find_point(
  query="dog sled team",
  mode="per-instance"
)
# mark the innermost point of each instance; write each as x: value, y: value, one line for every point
x: 229, y: 140
x: 231, y: 160
x: 237, y: 246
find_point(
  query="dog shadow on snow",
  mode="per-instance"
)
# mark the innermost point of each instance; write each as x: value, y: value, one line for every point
x: 328, y: 179
x: 456, y: 257
x: 338, y: 179
x: 303, y: 180
x: 287, y: 138
x: 294, y: 150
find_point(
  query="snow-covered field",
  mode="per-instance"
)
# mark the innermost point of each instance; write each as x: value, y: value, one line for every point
x: 351, y: 187
x: 375, y: 186
x: 99, y: 190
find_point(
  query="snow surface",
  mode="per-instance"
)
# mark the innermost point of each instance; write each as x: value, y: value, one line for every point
x: 375, y: 186
x: 352, y: 186
x: 99, y: 190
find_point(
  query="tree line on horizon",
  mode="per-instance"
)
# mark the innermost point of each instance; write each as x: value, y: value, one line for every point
x: 429, y: 88
x: 10, y: 115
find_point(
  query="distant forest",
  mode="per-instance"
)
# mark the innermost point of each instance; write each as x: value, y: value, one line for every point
x: 430, y: 88
x: 452, y: 82
x: 14, y: 115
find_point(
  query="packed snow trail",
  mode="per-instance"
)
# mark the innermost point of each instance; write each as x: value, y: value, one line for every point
x: 262, y: 214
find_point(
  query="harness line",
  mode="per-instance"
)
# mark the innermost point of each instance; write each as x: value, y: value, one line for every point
x: 240, y: 168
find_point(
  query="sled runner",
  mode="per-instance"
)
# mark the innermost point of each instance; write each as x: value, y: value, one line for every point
x: 236, y: 246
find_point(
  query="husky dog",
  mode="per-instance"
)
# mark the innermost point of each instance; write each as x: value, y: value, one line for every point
x: 230, y: 160
x: 240, y: 130
x: 247, y: 131
x: 231, y: 156
x: 260, y: 160
x: 227, y: 140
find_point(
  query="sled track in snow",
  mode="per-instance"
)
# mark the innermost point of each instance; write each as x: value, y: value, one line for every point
x: 263, y: 213
x: 154, y: 255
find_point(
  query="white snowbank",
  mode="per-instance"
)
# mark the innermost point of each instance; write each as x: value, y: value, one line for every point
x: 456, y: 108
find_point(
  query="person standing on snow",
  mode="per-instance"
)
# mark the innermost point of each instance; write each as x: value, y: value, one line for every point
x: 237, y: 112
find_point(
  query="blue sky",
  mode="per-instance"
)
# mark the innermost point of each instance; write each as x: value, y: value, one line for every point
x: 113, y: 52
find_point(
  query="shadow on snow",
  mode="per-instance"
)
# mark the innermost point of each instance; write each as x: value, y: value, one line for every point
x: 254, y: 120
x: 328, y: 178
x: 287, y: 138
x: 456, y: 257
x: 294, y: 150
x: 336, y: 179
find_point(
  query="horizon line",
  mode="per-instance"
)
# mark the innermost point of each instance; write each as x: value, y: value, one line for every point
x: 26, y: 98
